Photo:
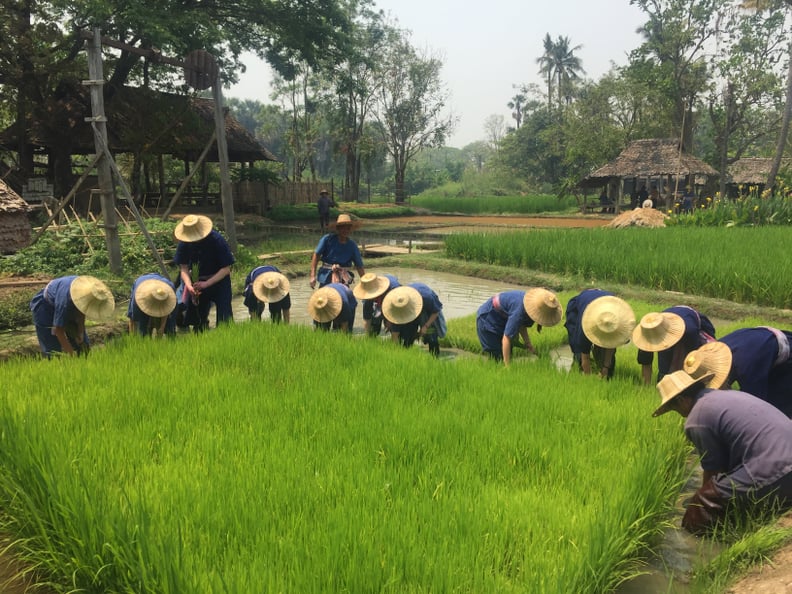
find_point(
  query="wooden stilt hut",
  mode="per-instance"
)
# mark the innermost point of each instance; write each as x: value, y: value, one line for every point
x: 661, y: 163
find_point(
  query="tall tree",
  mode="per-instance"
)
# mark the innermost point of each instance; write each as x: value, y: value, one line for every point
x: 411, y: 107
x: 47, y: 46
x: 747, y: 82
x: 560, y: 67
x: 783, y: 133
x: 676, y: 35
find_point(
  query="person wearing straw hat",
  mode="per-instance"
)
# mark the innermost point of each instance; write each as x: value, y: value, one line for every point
x: 598, y: 322
x: 371, y: 290
x: 415, y: 311
x: 506, y: 316
x: 745, y: 445
x: 61, y: 308
x: 267, y: 285
x: 333, y: 306
x: 152, y: 305
x: 758, y: 359
x: 204, y: 247
x: 672, y: 334
x: 324, y: 204
x: 337, y: 253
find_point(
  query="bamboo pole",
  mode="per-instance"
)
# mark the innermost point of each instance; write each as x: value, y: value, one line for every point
x: 189, y: 176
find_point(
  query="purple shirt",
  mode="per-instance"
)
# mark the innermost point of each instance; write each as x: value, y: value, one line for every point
x: 742, y: 437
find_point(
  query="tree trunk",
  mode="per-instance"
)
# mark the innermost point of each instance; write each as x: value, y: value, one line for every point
x: 399, y: 189
x: 782, y: 135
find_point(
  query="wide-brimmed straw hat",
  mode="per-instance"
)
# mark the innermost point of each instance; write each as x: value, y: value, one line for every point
x: 658, y: 331
x: 371, y: 286
x: 674, y: 384
x: 345, y: 219
x: 715, y: 358
x: 193, y: 228
x: 325, y: 304
x: 323, y: 191
x: 608, y: 322
x: 92, y: 297
x: 402, y: 305
x: 542, y: 306
x: 155, y: 298
x: 271, y: 286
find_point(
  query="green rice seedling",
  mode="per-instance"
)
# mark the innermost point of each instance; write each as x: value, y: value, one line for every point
x: 715, y: 262
x: 259, y: 456
x: 534, y: 204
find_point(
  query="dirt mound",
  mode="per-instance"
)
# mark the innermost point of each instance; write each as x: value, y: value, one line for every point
x: 639, y: 217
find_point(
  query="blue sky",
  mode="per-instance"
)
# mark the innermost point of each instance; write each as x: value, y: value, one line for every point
x: 488, y: 47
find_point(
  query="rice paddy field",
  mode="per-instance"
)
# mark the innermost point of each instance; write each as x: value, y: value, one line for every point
x: 267, y: 458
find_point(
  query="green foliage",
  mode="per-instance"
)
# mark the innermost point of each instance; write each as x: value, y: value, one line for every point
x: 751, y: 210
x: 114, y: 482
x: 672, y: 259
x: 72, y: 249
x: 267, y: 172
x: 15, y: 309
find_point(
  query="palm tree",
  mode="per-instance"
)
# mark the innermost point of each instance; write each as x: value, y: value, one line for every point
x: 561, y: 67
x: 546, y: 64
x: 566, y: 67
x: 517, y: 102
x: 785, y: 120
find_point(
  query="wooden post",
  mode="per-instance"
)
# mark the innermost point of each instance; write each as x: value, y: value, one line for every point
x: 96, y: 84
x: 225, y: 180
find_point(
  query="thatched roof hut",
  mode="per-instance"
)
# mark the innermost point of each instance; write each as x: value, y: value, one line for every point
x: 143, y: 121
x: 753, y: 170
x: 14, y: 224
x: 649, y: 158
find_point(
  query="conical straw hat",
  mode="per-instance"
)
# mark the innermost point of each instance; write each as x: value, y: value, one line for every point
x: 402, y: 305
x: 325, y: 305
x: 92, y: 297
x: 193, y: 228
x: 345, y: 219
x: 658, y: 331
x: 714, y: 357
x: 371, y: 286
x: 271, y: 286
x: 155, y: 298
x: 672, y: 385
x: 542, y: 306
x: 608, y: 322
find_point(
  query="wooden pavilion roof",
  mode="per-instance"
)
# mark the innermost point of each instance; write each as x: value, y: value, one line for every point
x: 649, y: 158
x: 144, y: 121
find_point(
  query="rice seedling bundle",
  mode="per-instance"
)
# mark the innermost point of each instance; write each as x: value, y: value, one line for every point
x: 747, y: 265
x: 270, y: 458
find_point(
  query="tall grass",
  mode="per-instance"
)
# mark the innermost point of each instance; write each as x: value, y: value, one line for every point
x: 747, y: 265
x: 533, y: 204
x: 260, y: 457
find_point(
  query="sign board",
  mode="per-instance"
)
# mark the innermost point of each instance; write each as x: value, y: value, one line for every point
x: 37, y: 190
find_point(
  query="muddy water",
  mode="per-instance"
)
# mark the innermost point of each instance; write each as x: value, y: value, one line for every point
x: 460, y: 295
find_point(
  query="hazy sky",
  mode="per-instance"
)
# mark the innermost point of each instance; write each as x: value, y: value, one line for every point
x: 489, y: 48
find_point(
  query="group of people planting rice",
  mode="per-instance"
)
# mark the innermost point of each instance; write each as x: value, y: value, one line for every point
x: 742, y: 433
